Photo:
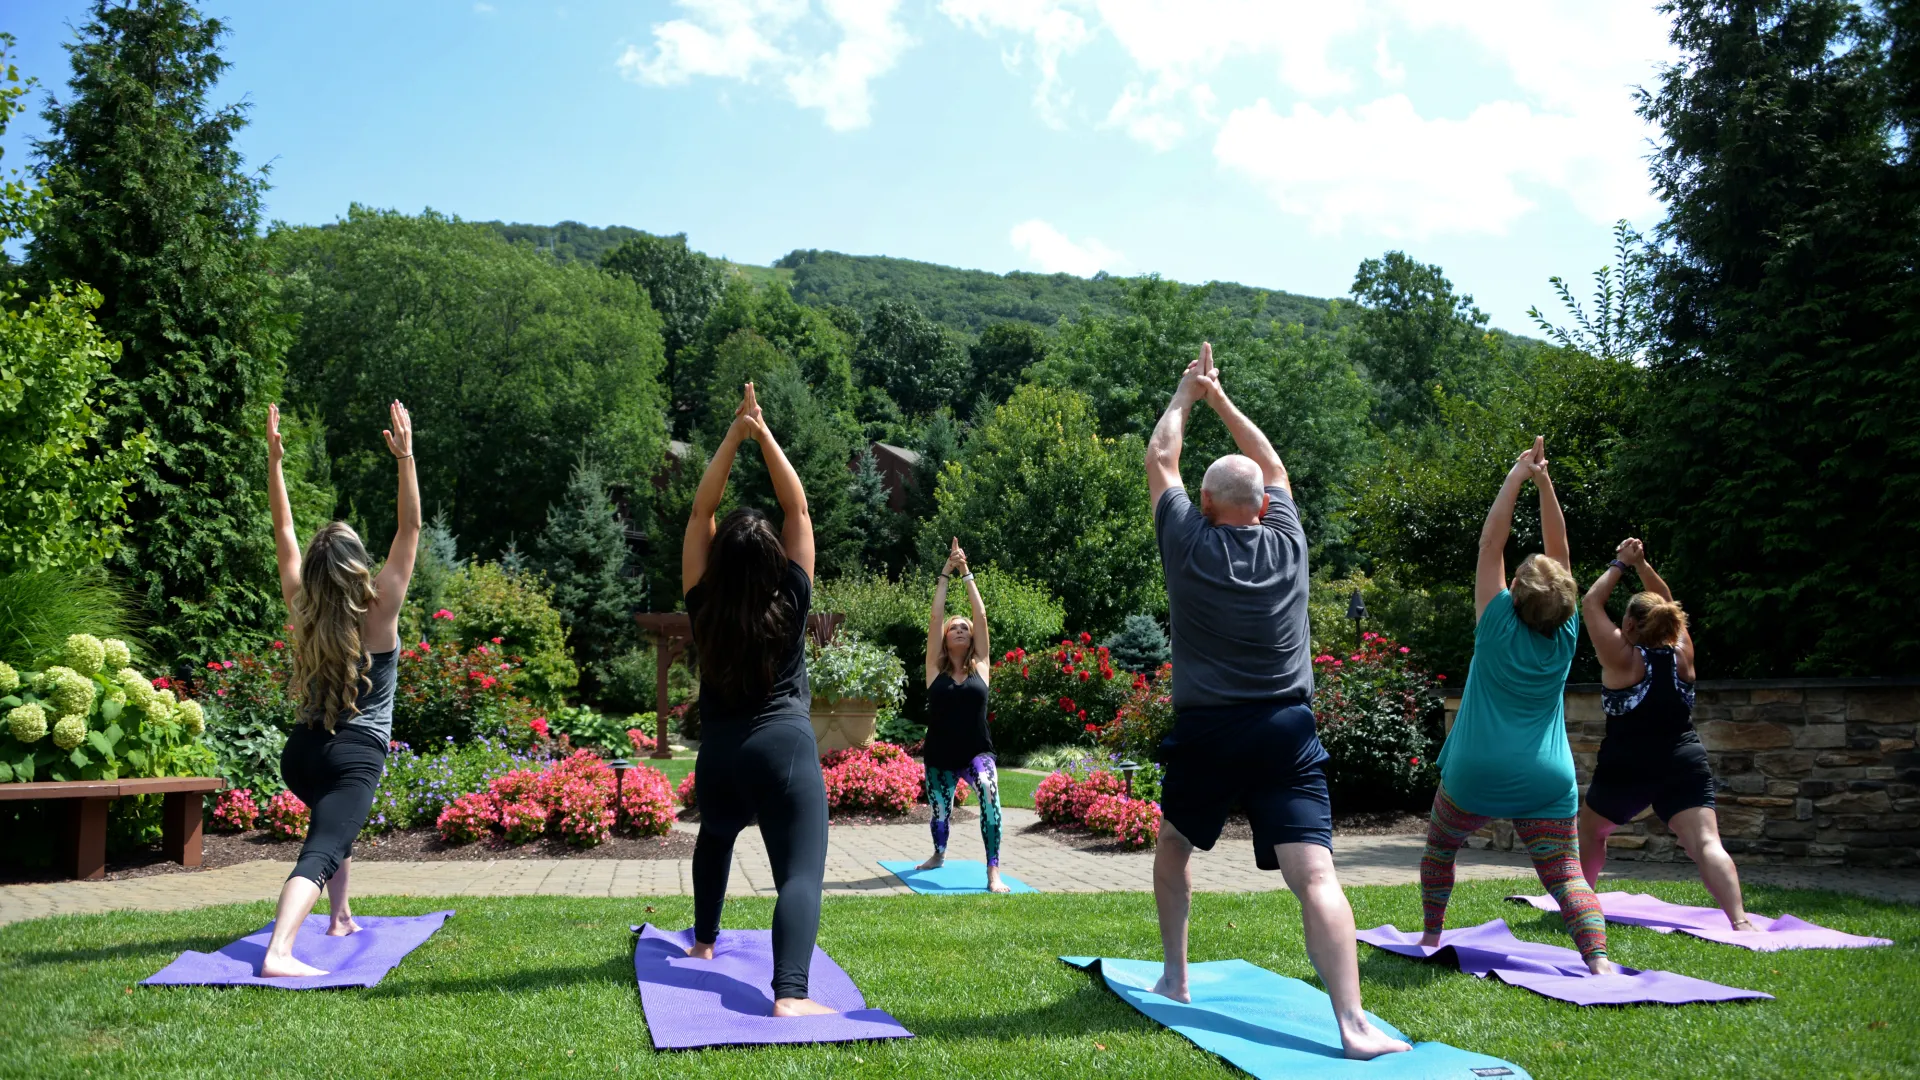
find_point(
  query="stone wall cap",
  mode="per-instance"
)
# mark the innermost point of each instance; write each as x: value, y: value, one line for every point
x: 1888, y: 683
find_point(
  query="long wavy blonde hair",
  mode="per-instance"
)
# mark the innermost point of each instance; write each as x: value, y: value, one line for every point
x: 336, y: 589
x: 946, y: 655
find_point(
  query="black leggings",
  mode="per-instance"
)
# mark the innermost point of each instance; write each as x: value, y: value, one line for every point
x: 336, y: 776
x: 770, y: 768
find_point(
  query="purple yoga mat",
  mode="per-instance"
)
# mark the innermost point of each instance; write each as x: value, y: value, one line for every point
x: 728, y: 1000
x: 1768, y: 935
x: 1551, y: 970
x: 361, y: 959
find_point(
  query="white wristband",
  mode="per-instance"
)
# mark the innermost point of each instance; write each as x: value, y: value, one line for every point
x: 968, y: 576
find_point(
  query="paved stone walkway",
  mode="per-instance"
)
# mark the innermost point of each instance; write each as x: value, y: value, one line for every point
x: 1038, y: 858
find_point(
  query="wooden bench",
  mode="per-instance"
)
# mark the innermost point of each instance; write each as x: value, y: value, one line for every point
x: 83, y: 836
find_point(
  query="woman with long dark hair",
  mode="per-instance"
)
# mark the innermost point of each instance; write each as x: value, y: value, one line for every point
x: 346, y: 641
x: 1652, y: 756
x: 748, y: 588
x: 958, y: 743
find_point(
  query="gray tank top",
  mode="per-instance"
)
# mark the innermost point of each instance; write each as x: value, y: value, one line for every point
x: 376, y: 702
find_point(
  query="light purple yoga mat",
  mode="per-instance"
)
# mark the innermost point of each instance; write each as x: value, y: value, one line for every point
x: 1551, y: 970
x: 1768, y: 935
x: 728, y: 1000
x: 361, y: 959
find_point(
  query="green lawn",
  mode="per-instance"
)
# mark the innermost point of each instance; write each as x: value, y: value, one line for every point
x: 543, y: 985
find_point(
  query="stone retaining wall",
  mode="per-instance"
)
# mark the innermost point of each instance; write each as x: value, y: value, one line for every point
x: 1811, y: 771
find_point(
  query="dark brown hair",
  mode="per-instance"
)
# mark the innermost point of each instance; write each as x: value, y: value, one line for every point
x: 745, y: 623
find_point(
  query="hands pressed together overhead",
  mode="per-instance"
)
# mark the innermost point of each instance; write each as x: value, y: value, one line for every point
x: 1201, y: 380
x: 956, y: 559
x: 748, y: 422
x: 1532, y: 463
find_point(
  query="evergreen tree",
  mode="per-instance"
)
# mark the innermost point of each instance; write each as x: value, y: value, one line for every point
x: 878, y: 525
x: 1780, y: 468
x: 151, y: 209
x: 1140, y: 646
x: 583, y: 554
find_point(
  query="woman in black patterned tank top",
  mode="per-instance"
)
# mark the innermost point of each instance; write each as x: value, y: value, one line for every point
x: 1651, y: 756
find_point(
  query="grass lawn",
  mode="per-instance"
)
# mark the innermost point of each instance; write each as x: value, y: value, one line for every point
x: 544, y: 985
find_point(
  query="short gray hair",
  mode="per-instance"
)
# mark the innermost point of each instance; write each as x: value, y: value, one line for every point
x: 1235, y: 480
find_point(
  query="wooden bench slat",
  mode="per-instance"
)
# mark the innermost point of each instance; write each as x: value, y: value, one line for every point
x: 61, y: 789
x: 156, y: 785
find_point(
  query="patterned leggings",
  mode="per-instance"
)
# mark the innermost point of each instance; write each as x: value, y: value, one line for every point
x: 941, y: 784
x: 1554, y: 845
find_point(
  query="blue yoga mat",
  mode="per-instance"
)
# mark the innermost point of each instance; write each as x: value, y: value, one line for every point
x: 957, y: 877
x: 1272, y: 1027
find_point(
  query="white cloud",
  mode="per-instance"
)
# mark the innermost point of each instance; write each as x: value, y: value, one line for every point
x: 1050, y: 250
x: 483, y: 9
x: 1055, y: 31
x: 751, y: 41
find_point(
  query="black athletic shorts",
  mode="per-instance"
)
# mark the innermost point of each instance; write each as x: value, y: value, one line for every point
x: 1670, y: 779
x: 1264, y: 757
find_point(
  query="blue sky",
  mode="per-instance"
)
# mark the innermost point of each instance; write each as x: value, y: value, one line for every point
x: 1270, y: 142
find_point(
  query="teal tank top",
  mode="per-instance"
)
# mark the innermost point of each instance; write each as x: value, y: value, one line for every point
x: 1507, y: 755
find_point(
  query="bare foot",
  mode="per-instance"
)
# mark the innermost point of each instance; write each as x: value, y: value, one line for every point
x: 1745, y: 926
x: 939, y: 860
x: 343, y: 927
x: 1600, y: 965
x: 800, y: 1007
x: 1430, y: 940
x: 1169, y: 990
x: 1361, y: 1041
x: 994, y: 884
x: 700, y: 951
x: 286, y: 967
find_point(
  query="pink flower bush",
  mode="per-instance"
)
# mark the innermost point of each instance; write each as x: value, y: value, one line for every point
x: 520, y: 785
x: 468, y: 818
x: 522, y: 821
x: 1134, y: 822
x: 235, y: 811
x: 686, y: 792
x: 287, y: 817
x: 879, y: 778
x: 642, y: 742
x: 1085, y: 791
x: 1050, y: 799
x: 646, y: 802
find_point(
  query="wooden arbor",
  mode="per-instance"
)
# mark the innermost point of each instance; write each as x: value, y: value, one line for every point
x: 673, y: 632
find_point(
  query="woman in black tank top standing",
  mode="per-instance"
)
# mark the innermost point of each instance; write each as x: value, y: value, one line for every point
x: 346, y: 639
x: 1651, y: 756
x: 748, y: 589
x: 958, y: 744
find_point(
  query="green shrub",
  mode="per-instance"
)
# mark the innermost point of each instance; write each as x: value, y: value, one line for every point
x: 1380, y: 718
x: 1140, y: 646
x: 39, y: 611
x: 606, y: 732
x: 1436, y: 623
x: 1055, y: 695
x: 627, y: 681
x: 487, y: 602
x: 851, y: 667
x: 248, y: 717
x: 418, y: 784
x: 1058, y: 755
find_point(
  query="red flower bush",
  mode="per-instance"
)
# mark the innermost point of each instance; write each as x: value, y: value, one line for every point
x: 1379, y: 716
x: 1134, y: 822
x: 642, y: 742
x: 287, y: 817
x: 468, y: 818
x: 235, y: 811
x: 1084, y: 792
x: 522, y: 821
x: 1049, y: 697
x: 520, y: 785
x: 646, y: 802
x: 879, y: 778
x: 686, y: 792
x: 1050, y: 799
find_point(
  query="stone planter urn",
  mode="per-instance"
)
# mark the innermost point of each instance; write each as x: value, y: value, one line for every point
x: 843, y: 724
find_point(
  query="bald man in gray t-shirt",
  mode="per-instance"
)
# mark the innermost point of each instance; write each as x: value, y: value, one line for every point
x: 1243, y: 729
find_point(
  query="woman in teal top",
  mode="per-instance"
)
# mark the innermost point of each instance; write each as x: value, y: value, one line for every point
x: 1507, y: 754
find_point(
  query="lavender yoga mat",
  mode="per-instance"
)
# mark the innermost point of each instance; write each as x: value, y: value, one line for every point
x: 361, y: 959
x: 1551, y: 970
x: 728, y: 1000
x: 1769, y: 935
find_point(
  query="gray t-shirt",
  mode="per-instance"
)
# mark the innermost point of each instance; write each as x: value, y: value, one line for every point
x: 1238, y: 600
x: 375, y: 702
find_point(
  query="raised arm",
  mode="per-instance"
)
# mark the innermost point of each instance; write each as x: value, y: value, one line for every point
x: 1634, y: 554
x: 1610, y: 646
x: 286, y: 546
x: 982, y: 647
x: 698, y: 541
x: 390, y: 589
x: 796, y: 530
x: 1553, y: 524
x: 935, y: 646
x: 1490, y: 572
x: 1247, y: 436
x: 1163, y: 449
